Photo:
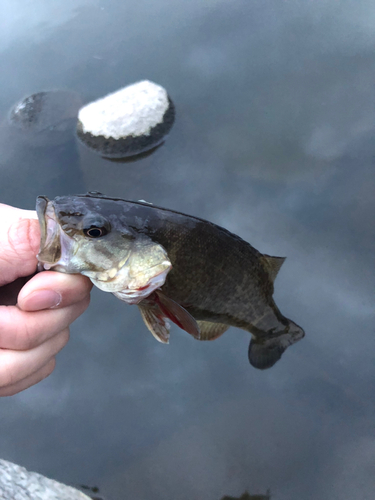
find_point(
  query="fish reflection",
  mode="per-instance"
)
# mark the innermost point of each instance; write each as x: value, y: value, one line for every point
x: 173, y: 266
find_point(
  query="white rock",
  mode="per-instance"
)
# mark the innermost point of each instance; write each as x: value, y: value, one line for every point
x: 131, y: 111
x: 17, y: 483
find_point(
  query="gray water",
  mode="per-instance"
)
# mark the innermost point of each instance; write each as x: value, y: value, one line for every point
x: 274, y: 140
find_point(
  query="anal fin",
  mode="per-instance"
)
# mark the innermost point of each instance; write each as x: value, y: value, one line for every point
x: 211, y: 331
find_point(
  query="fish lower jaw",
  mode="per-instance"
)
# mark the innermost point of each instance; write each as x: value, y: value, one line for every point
x: 47, y: 267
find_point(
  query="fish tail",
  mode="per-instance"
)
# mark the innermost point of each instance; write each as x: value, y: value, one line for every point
x: 265, y: 352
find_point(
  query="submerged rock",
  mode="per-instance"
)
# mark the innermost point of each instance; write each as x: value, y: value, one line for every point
x: 46, y: 118
x: 38, y: 148
x: 127, y: 122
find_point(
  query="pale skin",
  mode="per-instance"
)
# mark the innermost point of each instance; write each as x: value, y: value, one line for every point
x: 37, y: 328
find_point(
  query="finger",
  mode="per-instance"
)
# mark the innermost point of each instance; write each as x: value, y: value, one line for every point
x: 22, y: 330
x: 27, y: 382
x: 9, y: 292
x: 19, y: 244
x: 12, y: 213
x: 51, y: 289
x: 15, y: 366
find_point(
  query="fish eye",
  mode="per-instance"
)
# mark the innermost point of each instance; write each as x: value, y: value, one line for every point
x: 95, y: 232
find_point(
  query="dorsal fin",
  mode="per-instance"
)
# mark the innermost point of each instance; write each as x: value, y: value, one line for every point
x: 272, y: 265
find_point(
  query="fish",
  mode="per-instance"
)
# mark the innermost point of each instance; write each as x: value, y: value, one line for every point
x: 175, y: 267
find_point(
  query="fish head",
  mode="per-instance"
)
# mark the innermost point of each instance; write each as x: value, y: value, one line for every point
x: 78, y: 237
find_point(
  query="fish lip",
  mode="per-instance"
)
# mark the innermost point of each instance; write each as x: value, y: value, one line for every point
x: 41, y: 207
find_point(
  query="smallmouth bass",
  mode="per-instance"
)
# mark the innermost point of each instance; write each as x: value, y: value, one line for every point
x: 172, y: 266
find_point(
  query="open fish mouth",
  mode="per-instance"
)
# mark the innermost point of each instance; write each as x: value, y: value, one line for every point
x: 55, y: 245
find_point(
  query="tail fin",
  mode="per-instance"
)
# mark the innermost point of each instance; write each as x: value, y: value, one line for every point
x: 265, y: 352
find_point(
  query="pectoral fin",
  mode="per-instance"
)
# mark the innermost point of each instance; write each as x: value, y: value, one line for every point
x: 211, y: 331
x: 176, y: 313
x: 155, y: 322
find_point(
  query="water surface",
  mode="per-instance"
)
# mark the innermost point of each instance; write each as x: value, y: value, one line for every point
x: 274, y: 140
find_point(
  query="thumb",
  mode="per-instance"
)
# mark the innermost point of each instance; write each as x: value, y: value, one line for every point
x: 19, y: 243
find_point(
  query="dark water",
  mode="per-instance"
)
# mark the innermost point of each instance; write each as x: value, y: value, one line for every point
x: 274, y: 139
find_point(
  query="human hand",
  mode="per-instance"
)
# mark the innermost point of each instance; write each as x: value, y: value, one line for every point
x: 37, y: 328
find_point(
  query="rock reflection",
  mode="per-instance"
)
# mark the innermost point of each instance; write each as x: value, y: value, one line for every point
x: 136, y: 157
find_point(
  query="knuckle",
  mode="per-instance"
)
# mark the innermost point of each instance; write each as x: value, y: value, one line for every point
x: 79, y: 308
x: 66, y: 335
x: 62, y: 339
x: 14, y: 331
x: 85, y: 302
x: 7, y: 374
x: 25, y: 333
x: 82, y: 289
x: 50, y: 367
x: 9, y: 391
x: 4, y: 324
x: 46, y: 370
x: 87, y: 284
x: 25, y: 337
